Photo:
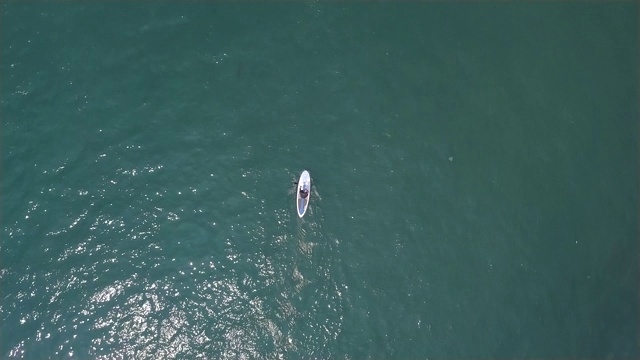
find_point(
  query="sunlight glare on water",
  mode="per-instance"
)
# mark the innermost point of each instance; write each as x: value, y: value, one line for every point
x: 477, y: 165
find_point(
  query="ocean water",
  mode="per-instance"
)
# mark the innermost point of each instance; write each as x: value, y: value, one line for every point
x: 475, y: 173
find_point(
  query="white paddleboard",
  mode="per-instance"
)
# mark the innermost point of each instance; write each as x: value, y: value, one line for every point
x: 303, y: 183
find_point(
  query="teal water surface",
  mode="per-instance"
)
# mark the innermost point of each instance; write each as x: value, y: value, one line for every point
x: 475, y: 173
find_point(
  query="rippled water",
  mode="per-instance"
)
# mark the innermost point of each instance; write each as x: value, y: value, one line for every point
x: 141, y: 255
x: 144, y: 258
x: 475, y: 171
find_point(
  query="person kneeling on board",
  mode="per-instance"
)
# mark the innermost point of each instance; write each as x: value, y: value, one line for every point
x: 304, y: 193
